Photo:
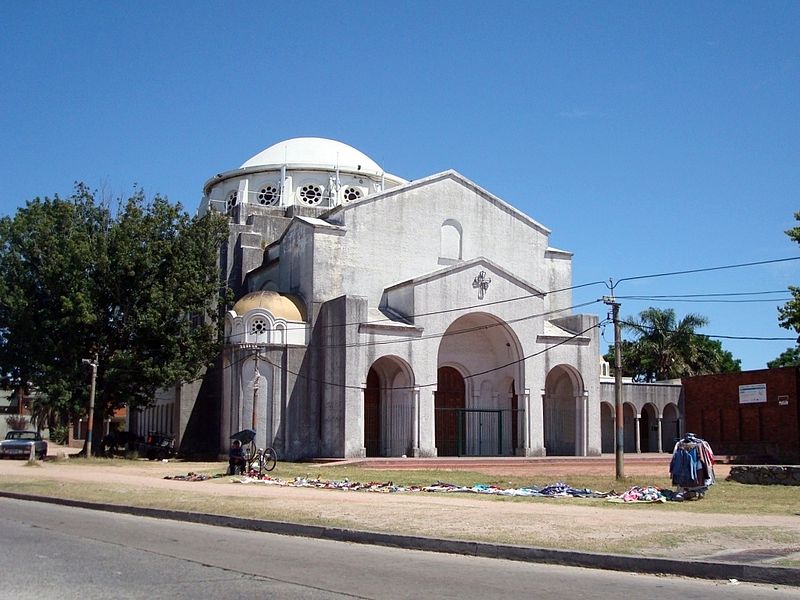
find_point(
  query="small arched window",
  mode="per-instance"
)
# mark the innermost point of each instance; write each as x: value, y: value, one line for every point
x: 450, y: 240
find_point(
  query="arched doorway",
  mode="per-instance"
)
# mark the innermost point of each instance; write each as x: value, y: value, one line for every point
x: 564, y: 412
x: 449, y: 403
x: 629, y: 427
x: 481, y: 374
x: 670, y: 427
x: 648, y: 428
x: 607, y: 432
x: 389, y: 408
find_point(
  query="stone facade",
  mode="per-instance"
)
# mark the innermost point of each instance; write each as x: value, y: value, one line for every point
x: 430, y: 317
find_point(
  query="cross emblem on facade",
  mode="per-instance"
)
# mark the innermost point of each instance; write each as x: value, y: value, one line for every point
x: 481, y: 282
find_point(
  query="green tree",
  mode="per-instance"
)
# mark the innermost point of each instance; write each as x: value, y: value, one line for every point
x: 139, y: 288
x: 789, y: 313
x: 665, y: 348
x: 788, y: 358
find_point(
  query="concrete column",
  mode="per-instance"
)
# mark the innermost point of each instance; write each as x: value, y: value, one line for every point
x: 385, y: 425
x: 523, y: 419
x: 362, y: 418
x: 242, y: 199
x: 660, y: 449
x: 638, y: 435
x: 432, y: 418
x: 415, y: 421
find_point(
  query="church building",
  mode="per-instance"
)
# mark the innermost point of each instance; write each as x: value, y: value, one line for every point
x: 375, y: 316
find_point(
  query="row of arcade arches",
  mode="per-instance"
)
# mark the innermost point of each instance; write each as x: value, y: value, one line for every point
x: 482, y: 413
x: 495, y: 429
x: 644, y: 431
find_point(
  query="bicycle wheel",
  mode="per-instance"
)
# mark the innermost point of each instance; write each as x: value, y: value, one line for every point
x: 270, y: 459
x: 249, y: 452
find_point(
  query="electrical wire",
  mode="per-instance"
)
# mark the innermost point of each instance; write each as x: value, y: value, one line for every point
x: 433, y: 384
x: 639, y: 326
x: 703, y: 270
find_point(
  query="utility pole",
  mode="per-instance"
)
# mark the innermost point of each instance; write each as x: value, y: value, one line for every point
x: 93, y: 364
x: 619, y: 433
x: 256, y: 377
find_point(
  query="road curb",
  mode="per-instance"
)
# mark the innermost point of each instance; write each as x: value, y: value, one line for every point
x: 616, y: 562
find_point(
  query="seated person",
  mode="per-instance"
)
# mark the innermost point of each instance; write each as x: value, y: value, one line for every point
x: 236, y: 460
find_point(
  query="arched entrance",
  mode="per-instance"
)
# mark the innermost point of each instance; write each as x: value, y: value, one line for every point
x: 629, y: 427
x: 670, y: 427
x: 449, y: 403
x: 648, y: 429
x: 564, y: 412
x: 389, y: 408
x: 607, y: 431
x: 479, y: 376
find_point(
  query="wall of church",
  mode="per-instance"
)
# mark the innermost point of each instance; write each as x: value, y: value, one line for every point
x: 398, y: 236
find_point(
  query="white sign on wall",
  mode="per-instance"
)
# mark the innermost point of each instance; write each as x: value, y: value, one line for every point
x: 753, y: 393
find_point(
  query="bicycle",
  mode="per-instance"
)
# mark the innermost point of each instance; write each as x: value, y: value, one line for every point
x: 260, y: 459
x: 263, y: 459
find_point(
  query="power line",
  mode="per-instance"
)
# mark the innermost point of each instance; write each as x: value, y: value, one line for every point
x: 446, y: 333
x: 640, y: 326
x: 711, y: 295
x: 663, y: 299
x: 704, y: 270
x: 406, y: 318
x: 426, y: 385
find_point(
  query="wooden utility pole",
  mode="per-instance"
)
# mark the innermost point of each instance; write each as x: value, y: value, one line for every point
x: 93, y: 365
x: 619, y: 430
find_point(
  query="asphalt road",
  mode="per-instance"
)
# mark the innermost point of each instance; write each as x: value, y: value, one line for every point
x: 49, y: 551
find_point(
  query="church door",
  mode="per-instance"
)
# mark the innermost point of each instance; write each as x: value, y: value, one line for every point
x: 372, y: 411
x: 449, y: 402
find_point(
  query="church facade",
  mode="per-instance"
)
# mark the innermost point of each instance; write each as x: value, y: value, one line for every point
x: 375, y: 316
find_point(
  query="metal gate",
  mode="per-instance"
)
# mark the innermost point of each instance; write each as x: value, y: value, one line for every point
x: 473, y: 431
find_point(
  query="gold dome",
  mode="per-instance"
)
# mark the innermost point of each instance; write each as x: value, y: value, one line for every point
x: 281, y: 306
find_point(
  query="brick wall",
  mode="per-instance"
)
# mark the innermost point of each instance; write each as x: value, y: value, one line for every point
x: 713, y: 411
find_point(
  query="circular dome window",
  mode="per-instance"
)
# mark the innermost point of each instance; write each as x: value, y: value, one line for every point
x: 233, y: 198
x: 258, y: 326
x: 351, y: 194
x: 311, y: 194
x: 268, y: 195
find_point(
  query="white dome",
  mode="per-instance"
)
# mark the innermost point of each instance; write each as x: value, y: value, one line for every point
x: 315, y: 153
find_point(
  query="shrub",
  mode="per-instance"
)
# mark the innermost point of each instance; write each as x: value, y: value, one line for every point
x: 59, y: 434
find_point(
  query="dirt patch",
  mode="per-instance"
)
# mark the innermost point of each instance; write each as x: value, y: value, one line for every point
x: 562, y: 522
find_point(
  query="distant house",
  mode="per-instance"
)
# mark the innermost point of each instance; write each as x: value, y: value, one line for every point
x: 753, y: 413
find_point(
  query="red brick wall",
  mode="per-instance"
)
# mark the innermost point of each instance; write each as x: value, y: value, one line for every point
x: 712, y: 411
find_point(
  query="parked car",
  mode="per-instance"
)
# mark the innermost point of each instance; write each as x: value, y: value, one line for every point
x: 157, y: 446
x: 18, y: 445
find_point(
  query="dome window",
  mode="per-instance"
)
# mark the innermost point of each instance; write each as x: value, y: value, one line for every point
x: 258, y: 326
x: 311, y: 194
x: 351, y: 194
x: 233, y: 198
x: 268, y: 196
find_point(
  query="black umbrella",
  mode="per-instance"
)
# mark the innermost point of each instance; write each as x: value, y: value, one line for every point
x: 245, y: 436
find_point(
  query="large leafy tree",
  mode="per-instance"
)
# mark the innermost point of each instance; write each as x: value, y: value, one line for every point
x: 137, y: 287
x: 663, y: 347
x: 789, y: 314
x: 788, y: 358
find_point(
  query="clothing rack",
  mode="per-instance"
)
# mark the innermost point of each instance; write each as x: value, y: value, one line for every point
x: 692, y: 466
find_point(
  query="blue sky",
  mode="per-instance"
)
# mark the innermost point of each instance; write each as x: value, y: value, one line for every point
x: 649, y: 137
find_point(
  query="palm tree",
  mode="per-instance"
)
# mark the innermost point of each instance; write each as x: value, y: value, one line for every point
x: 664, y: 348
